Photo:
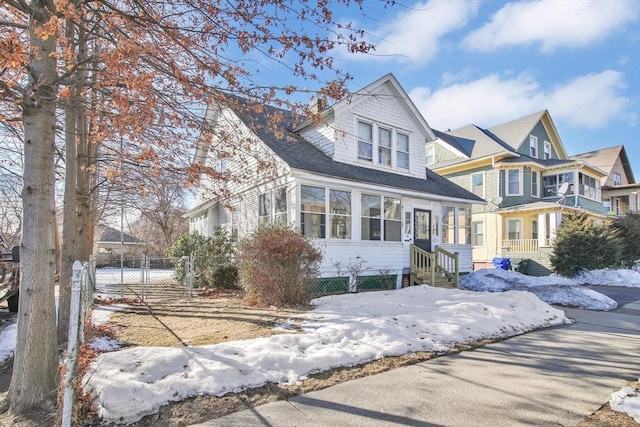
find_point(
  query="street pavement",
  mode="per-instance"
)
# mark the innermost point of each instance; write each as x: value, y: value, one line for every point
x: 555, y: 376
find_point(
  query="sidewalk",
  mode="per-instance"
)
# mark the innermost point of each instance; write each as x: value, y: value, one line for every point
x: 550, y: 377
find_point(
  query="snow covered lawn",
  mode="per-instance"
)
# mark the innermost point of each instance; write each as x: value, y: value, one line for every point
x: 342, y: 330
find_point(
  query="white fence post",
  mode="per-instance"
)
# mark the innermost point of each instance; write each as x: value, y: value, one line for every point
x: 72, y: 345
x: 142, y: 276
x: 191, y: 274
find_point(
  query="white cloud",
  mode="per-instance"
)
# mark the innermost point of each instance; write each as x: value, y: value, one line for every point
x: 414, y: 35
x: 553, y: 23
x: 588, y: 101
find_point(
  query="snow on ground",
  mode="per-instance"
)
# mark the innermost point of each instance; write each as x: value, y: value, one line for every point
x: 551, y: 289
x: 100, y: 316
x: 8, y: 340
x: 342, y: 330
x: 606, y: 277
x: 627, y: 400
x: 113, y: 275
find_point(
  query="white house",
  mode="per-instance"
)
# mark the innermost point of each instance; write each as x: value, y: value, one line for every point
x: 354, y: 181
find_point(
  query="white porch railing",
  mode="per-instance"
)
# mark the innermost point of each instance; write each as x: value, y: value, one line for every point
x: 522, y: 245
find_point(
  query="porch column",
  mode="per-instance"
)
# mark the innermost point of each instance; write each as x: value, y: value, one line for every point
x: 634, y: 198
x: 554, y: 221
x: 542, y: 230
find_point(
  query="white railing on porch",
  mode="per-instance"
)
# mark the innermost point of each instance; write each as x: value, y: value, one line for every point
x: 522, y: 245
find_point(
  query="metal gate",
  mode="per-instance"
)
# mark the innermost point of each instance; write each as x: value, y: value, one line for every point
x: 146, y: 278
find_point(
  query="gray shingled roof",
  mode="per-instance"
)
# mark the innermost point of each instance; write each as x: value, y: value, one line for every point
x: 515, y: 131
x: 305, y: 156
x: 605, y: 159
x: 109, y: 234
x: 465, y: 146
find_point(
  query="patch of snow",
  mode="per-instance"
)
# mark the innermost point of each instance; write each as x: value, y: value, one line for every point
x: 104, y: 344
x: 101, y: 313
x: 8, y: 340
x: 605, y: 277
x: 627, y: 400
x: 342, y: 330
x: 550, y: 289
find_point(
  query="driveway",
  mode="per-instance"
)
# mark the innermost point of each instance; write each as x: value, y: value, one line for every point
x: 621, y: 295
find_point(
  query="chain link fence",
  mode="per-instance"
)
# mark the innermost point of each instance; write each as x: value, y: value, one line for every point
x: 144, y: 279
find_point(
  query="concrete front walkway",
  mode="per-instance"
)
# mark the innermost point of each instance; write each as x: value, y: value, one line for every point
x: 550, y: 377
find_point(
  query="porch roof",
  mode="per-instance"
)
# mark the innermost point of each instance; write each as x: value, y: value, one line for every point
x: 543, y: 207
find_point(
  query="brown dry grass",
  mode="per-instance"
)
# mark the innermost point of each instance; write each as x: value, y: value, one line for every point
x: 197, y: 321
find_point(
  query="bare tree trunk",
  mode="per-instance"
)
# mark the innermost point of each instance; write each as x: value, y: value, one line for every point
x: 70, y: 251
x: 34, y: 379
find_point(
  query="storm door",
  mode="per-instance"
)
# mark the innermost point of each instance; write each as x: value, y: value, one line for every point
x: 422, y: 229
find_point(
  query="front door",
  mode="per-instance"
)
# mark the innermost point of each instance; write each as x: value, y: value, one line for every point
x: 422, y: 229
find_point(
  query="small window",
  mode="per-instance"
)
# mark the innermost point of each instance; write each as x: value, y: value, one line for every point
x: 547, y: 150
x: 513, y: 229
x: 478, y: 233
x: 448, y: 224
x: 534, y: 229
x: 365, y: 141
x: 264, y: 208
x: 533, y: 146
x: 477, y: 184
x: 281, y: 206
x: 513, y: 182
x: 464, y: 226
x: 429, y: 151
x: 370, y: 217
x: 340, y: 214
x: 535, y: 186
x: 313, y: 212
x: 392, y: 219
x: 402, y: 152
x: 617, y: 179
x: 384, y: 146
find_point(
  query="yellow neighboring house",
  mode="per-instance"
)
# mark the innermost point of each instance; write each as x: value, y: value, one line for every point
x: 522, y: 170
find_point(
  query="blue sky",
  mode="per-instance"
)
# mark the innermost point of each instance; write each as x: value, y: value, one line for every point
x: 489, y: 62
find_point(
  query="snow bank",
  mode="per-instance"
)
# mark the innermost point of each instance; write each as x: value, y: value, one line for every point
x: 550, y: 289
x: 606, y: 277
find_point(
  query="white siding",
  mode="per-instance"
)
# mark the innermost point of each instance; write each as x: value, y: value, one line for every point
x: 322, y: 136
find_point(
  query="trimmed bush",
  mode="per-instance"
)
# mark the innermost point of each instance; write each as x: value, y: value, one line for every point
x: 213, y: 259
x: 278, y: 266
x: 581, y: 244
x: 627, y: 230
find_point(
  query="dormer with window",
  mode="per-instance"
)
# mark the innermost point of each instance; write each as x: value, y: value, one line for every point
x: 379, y: 128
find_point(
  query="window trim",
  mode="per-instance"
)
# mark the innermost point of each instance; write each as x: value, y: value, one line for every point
x: 484, y: 187
x: 431, y: 147
x: 538, y: 175
x: 266, y: 218
x: 347, y: 216
x: 547, y: 150
x: 363, y: 141
x: 507, y: 222
x: 533, y: 146
x: 398, y: 150
x: 323, y: 213
x: 617, y: 179
x: 474, y: 234
x: 507, y: 182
